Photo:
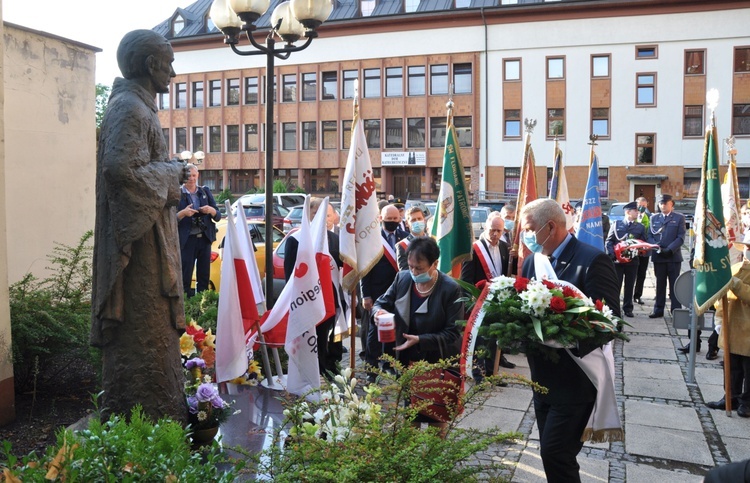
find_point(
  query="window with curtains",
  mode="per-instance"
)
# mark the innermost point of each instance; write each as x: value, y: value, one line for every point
x: 251, y: 137
x: 180, y: 139
x: 233, y: 138
x: 330, y: 139
x: 512, y: 180
x: 741, y: 119
x: 695, y: 62
x: 198, y: 138
x: 415, y: 132
x: 372, y: 132
x: 604, y: 182
x: 644, y: 149
x: 233, y: 92
x: 693, y: 125
x: 394, y: 133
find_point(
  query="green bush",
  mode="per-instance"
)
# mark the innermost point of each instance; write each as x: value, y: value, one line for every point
x: 121, y: 451
x: 203, y: 308
x: 224, y: 195
x: 51, y: 318
x: 366, y: 434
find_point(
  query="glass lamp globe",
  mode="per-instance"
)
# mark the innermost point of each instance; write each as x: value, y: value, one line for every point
x: 312, y: 13
x: 249, y: 10
x: 226, y: 20
x: 290, y: 29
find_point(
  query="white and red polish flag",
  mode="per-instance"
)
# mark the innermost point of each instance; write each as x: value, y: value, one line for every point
x: 325, y: 262
x: 248, y: 254
x: 306, y: 310
x: 360, y: 247
x: 237, y: 313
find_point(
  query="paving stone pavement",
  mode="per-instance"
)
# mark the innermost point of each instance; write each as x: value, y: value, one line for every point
x: 670, y: 435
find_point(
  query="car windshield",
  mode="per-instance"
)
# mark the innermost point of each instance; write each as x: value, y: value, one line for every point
x: 296, y: 213
x: 255, y: 211
x: 479, y: 216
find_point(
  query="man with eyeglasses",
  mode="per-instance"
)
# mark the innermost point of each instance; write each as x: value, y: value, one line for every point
x: 489, y: 259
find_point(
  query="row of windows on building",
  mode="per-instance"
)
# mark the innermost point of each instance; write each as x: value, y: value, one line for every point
x: 645, y: 93
x: 372, y: 86
x: 396, y: 135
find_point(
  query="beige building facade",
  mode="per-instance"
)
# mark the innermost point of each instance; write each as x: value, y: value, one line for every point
x: 47, y: 162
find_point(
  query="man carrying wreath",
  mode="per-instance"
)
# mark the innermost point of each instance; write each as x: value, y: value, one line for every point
x: 563, y: 413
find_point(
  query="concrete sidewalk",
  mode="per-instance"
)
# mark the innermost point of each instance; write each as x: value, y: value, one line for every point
x: 670, y: 435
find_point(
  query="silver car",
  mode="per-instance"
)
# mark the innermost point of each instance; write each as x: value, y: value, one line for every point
x: 479, y: 216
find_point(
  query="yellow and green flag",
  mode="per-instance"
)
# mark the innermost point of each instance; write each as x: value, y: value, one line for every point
x: 712, y: 264
x: 452, y: 226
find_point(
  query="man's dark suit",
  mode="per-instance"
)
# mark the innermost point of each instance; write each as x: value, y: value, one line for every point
x: 563, y: 412
x: 373, y: 285
x: 627, y: 272
x: 329, y: 352
x: 472, y: 271
x: 667, y: 231
x: 195, y: 249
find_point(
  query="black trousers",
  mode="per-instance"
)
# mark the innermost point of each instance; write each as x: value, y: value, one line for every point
x: 641, y: 276
x: 560, y: 430
x: 666, y: 271
x: 739, y: 375
x: 627, y: 272
x: 196, y: 253
x: 326, y: 350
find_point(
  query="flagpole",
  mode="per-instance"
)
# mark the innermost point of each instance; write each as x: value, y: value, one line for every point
x: 529, y: 124
x: 353, y: 317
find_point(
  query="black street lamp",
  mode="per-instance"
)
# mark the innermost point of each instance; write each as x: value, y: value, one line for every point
x: 290, y: 20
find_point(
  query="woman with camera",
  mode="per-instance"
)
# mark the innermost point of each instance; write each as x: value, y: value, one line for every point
x: 196, y: 214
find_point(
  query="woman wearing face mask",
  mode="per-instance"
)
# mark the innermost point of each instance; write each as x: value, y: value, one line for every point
x: 415, y: 218
x: 426, y: 305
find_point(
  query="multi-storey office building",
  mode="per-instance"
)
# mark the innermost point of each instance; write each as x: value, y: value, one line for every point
x: 633, y: 72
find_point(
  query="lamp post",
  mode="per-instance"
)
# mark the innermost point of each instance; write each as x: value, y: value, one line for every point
x: 290, y: 21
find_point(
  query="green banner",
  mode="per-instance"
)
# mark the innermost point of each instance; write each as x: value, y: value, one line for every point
x: 712, y: 264
x: 452, y: 226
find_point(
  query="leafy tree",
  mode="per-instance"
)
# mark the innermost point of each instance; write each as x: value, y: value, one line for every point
x: 102, y: 96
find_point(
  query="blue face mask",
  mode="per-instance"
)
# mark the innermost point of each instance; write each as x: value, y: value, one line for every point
x: 509, y: 224
x: 417, y: 227
x: 529, y: 239
x: 423, y: 277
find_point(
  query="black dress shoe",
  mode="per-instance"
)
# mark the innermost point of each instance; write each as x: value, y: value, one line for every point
x: 743, y: 411
x: 628, y: 314
x: 722, y: 404
x: 686, y: 348
x: 506, y: 363
x: 712, y: 354
x: 638, y: 301
x: 655, y: 315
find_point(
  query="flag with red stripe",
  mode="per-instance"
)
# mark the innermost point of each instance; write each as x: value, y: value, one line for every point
x: 237, y: 312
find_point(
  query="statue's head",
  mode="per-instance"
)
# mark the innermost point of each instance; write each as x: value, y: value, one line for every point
x: 144, y: 54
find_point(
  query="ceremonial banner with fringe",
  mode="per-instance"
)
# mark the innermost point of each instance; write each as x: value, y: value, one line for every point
x: 452, y: 228
x: 713, y: 271
x: 526, y: 194
x: 558, y: 189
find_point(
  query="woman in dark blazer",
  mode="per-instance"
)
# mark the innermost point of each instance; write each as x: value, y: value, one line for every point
x: 426, y: 304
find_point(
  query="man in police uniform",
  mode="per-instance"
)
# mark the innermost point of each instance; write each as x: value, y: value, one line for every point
x: 667, y: 229
x: 643, y: 216
x: 626, y: 229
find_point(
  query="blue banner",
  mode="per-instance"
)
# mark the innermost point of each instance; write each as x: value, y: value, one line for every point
x: 590, y: 227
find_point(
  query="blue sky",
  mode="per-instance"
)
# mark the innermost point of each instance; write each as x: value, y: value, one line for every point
x: 100, y: 23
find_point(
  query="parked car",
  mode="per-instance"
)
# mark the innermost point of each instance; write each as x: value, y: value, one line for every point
x: 257, y: 212
x: 495, y: 205
x: 279, y: 280
x: 257, y: 234
x: 424, y: 203
x: 616, y: 212
x: 287, y: 200
x: 686, y: 206
x: 479, y: 216
x: 293, y: 218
